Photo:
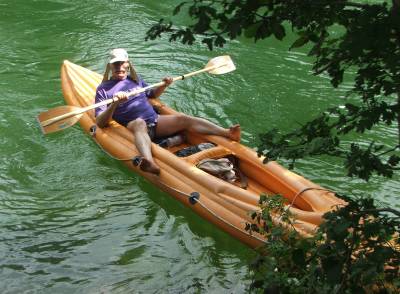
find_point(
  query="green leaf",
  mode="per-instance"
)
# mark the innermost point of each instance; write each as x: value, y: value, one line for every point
x: 278, y: 30
x: 341, y: 229
x: 299, y: 257
x: 208, y: 42
x: 394, y: 160
x: 263, y: 31
x: 178, y: 8
x: 251, y: 30
x: 333, y: 269
x: 299, y: 42
x: 219, y: 41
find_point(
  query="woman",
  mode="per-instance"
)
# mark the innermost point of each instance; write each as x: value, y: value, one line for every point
x: 137, y: 114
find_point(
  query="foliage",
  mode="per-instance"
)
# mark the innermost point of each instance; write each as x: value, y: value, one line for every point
x: 356, y: 250
x: 343, y: 36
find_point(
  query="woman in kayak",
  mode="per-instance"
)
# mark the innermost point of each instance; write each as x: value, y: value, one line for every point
x: 137, y: 114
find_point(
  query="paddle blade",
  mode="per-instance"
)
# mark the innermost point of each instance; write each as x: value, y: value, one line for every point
x: 223, y: 64
x: 59, y: 125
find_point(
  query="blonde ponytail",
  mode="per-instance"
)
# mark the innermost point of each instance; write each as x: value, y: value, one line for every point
x: 133, y: 73
x: 106, y: 76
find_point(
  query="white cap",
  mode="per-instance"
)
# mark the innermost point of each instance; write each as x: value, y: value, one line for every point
x: 118, y: 54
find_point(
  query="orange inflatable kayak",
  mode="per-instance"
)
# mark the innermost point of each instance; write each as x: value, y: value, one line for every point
x: 227, y: 205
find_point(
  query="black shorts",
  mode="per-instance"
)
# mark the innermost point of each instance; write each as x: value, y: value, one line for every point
x: 151, y: 130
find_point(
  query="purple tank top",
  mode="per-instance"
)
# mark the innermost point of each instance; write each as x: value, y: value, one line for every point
x: 135, y: 107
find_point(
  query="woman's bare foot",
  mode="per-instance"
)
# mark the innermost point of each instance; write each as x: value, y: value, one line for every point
x: 149, y: 166
x: 234, y: 133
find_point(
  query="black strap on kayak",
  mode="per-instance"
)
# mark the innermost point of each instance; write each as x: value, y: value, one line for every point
x: 194, y: 197
x: 92, y: 130
x: 137, y: 160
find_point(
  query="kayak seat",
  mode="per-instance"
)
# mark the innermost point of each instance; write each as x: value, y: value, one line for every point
x: 214, y: 152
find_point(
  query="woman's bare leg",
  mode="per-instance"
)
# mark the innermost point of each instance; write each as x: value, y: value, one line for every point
x: 143, y: 143
x: 170, y: 124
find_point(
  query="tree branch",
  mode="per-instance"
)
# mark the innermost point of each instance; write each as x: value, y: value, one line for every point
x: 390, y: 150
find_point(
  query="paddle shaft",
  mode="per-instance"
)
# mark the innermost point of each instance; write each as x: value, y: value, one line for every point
x: 132, y: 93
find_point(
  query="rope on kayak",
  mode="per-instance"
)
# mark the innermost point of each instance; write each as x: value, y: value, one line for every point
x: 303, y: 191
x: 194, y: 198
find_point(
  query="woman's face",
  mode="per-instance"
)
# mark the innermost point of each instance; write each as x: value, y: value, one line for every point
x: 120, y: 70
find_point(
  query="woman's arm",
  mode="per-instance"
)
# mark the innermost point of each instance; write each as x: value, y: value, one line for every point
x: 103, y: 119
x: 159, y: 90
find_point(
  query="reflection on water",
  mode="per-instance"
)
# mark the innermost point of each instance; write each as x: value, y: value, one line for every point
x: 74, y: 220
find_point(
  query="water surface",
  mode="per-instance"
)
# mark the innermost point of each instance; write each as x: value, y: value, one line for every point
x: 74, y: 220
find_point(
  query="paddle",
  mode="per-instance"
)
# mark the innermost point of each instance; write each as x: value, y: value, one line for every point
x: 62, y: 117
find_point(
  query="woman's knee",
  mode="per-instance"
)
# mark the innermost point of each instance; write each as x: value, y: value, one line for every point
x: 137, y: 125
x: 186, y: 120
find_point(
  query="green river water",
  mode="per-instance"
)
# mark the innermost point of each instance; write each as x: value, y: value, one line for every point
x: 73, y: 220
